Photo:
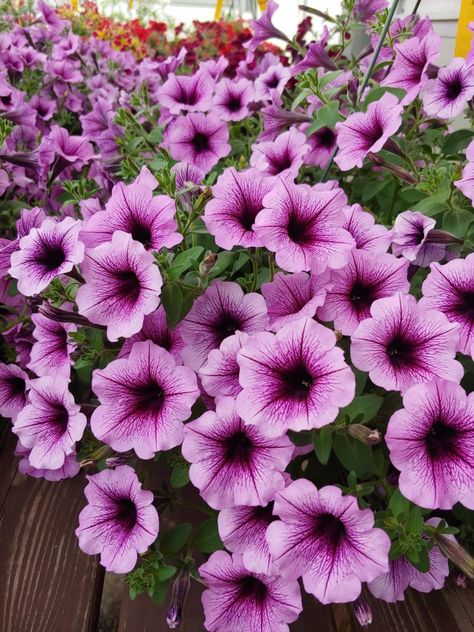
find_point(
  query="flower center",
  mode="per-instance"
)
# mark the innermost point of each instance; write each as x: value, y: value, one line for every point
x: 226, y: 326
x: 252, y: 587
x: 149, y: 397
x: 141, y: 233
x: 298, y: 382
x: 128, y: 285
x: 326, y: 137
x: 59, y: 418
x: 454, y: 88
x: 441, y: 440
x: 277, y: 164
x: 465, y: 306
x: 126, y: 513
x: 51, y: 256
x: 400, y: 351
x: 247, y: 214
x: 272, y: 82
x: 234, y: 104
x: 17, y: 386
x: 299, y: 230
x: 361, y: 296
x: 330, y: 528
x: 238, y: 447
x: 200, y: 142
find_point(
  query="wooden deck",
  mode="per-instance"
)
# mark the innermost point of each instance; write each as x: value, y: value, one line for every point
x: 48, y: 585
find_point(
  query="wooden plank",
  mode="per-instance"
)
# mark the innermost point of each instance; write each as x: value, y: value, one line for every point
x: 46, y: 583
x: 8, y: 461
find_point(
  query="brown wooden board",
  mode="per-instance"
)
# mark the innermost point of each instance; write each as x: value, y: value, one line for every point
x: 8, y: 461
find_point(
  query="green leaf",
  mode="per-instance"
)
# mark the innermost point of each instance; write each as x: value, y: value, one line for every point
x: 374, y: 189
x: 224, y: 260
x: 327, y: 116
x: 433, y: 204
x: 361, y: 380
x: 174, y: 540
x: 354, y: 455
x: 179, y: 476
x: 172, y: 300
x: 323, y: 443
x: 159, y: 593
x: 420, y: 559
x: 183, y: 262
x: 376, y: 93
x: 398, y: 504
x: 206, y: 538
x: 155, y: 136
x: 457, y: 141
x: 366, y: 405
x: 163, y: 573
x: 412, y: 195
x: 458, y: 221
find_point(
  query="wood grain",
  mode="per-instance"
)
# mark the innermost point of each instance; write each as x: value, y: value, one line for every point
x: 8, y: 461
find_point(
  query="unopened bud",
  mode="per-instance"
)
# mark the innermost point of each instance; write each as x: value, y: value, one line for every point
x: 456, y: 553
x: 338, y: 335
x: 174, y: 616
x: 207, y: 264
x: 362, y: 611
x: 119, y: 459
x: 369, y: 436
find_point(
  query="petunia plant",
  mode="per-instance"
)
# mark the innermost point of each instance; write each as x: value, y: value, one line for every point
x: 243, y: 291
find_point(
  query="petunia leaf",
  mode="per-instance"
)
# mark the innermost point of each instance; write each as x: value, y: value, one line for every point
x: 354, y: 455
x: 457, y: 141
x: 174, y: 540
x: 366, y: 405
x: 398, y: 504
x: 206, y: 538
x: 183, y: 262
x: 322, y: 440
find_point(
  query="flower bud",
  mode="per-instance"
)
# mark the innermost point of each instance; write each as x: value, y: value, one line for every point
x: 362, y: 612
x: 207, y: 264
x: 456, y: 553
x: 174, y: 616
x: 460, y: 579
x: 369, y: 436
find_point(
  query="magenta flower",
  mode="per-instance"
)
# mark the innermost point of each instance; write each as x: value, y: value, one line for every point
x: 431, y: 442
x: 122, y: 286
x: 29, y: 218
x: 316, y: 57
x: 220, y: 373
x: 290, y: 297
x: 367, y: 132
x: 281, y: 157
x: 50, y: 354
x: 220, y: 312
x: 365, y: 10
x: 155, y: 328
x: 133, y: 209
x: 263, y: 29
x: 237, y: 200
x: 46, y: 252
x: 51, y: 423
x: 321, y: 146
x: 448, y: 94
x: 13, y: 390
x: 200, y: 139
x: 232, y: 99
x: 69, y: 469
x: 403, y: 344
x: 237, y: 599
x: 243, y: 530
x: 144, y: 400
x: 187, y: 93
x: 119, y: 520
x: 304, y: 227
x: 232, y: 463
x: 409, y: 70
x: 295, y: 379
x: 466, y: 184
x: 411, y: 239
x: 367, y: 277
x: 271, y: 81
x: 323, y: 537
x: 367, y: 234
x: 66, y: 150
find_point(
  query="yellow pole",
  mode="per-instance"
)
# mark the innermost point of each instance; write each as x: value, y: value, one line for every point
x: 464, y: 35
x: 75, y: 5
x: 218, y: 11
x: 262, y: 5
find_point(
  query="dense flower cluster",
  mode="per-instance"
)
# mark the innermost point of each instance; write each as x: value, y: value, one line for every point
x: 263, y: 283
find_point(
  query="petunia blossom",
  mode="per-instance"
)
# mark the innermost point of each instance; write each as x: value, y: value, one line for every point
x: 232, y: 463
x: 68, y: 469
x: 50, y: 354
x: 220, y: 373
x: 282, y: 157
x: 466, y: 183
x: 29, y: 218
x: 232, y: 99
x: 412, y: 239
x: 448, y: 94
x: 156, y: 329
x: 13, y: 390
x: 144, y: 400
x: 295, y: 379
x: 263, y: 29
x: 367, y: 234
x: 323, y: 537
x: 119, y: 521
x: 187, y: 93
x: 402, y: 344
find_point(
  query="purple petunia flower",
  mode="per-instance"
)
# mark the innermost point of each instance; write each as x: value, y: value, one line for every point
x: 29, y: 218
x: 447, y: 95
x: 367, y: 277
x: 295, y: 379
x: 187, y: 93
x: 238, y: 600
x: 51, y: 423
x: 365, y: 10
x: 281, y: 157
x: 199, y: 139
x: 466, y: 184
x: 243, y: 530
x: 316, y: 57
x: 411, y: 239
x: 321, y: 146
x: 215, y: 67
x: 232, y: 463
x: 367, y: 132
x: 119, y: 520
x: 13, y: 387
x: 303, y: 227
x: 403, y: 344
x: 367, y: 234
x: 220, y: 373
x: 144, y: 399
x: 232, y: 98
x: 412, y: 60
x: 290, y: 297
x: 69, y: 469
x: 64, y: 150
x: 237, y: 200
x: 323, y: 537
x: 449, y: 288
x: 431, y: 442
x: 155, y: 328
x: 263, y: 29
x: 271, y: 82
x: 50, y: 354
x: 220, y: 312
x: 133, y: 209
x: 122, y: 286
x: 46, y: 252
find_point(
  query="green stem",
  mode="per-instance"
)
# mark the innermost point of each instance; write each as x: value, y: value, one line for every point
x: 254, y: 272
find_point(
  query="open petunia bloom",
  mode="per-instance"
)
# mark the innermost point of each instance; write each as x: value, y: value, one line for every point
x: 122, y: 285
x: 29, y: 218
x: 220, y: 312
x: 321, y: 145
x: 295, y: 379
x: 431, y: 442
x: 290, y: 297
x: 271, y: 82
x: 403, y: 344
x: 133, y: 209
x: 450, y: 289
x: 68, y: 469
x: 281, y: 157
x: 466, y: 184
x: 237, y: 200
x: 238, y: 600
x: 243, y: 530
x: 199, y: 139
x: 13, y: 390
x: 367, y: 132
x: 50, y: 424
x: 447, y: 95
x: 366, y: 277
x: 323, y: 537
x: 50, y: 354
x: 366, y: 10
x: 232, y: 99
x: 119, y: 520
x: 46, y: 252
x: 144, y: 399
x: 187, y: 93
x: 303, y: 227
x: 155, y: 328
x: 367, y: 234
x: 411, y: 239
x: 232, y: 463
x: 220, y: 373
